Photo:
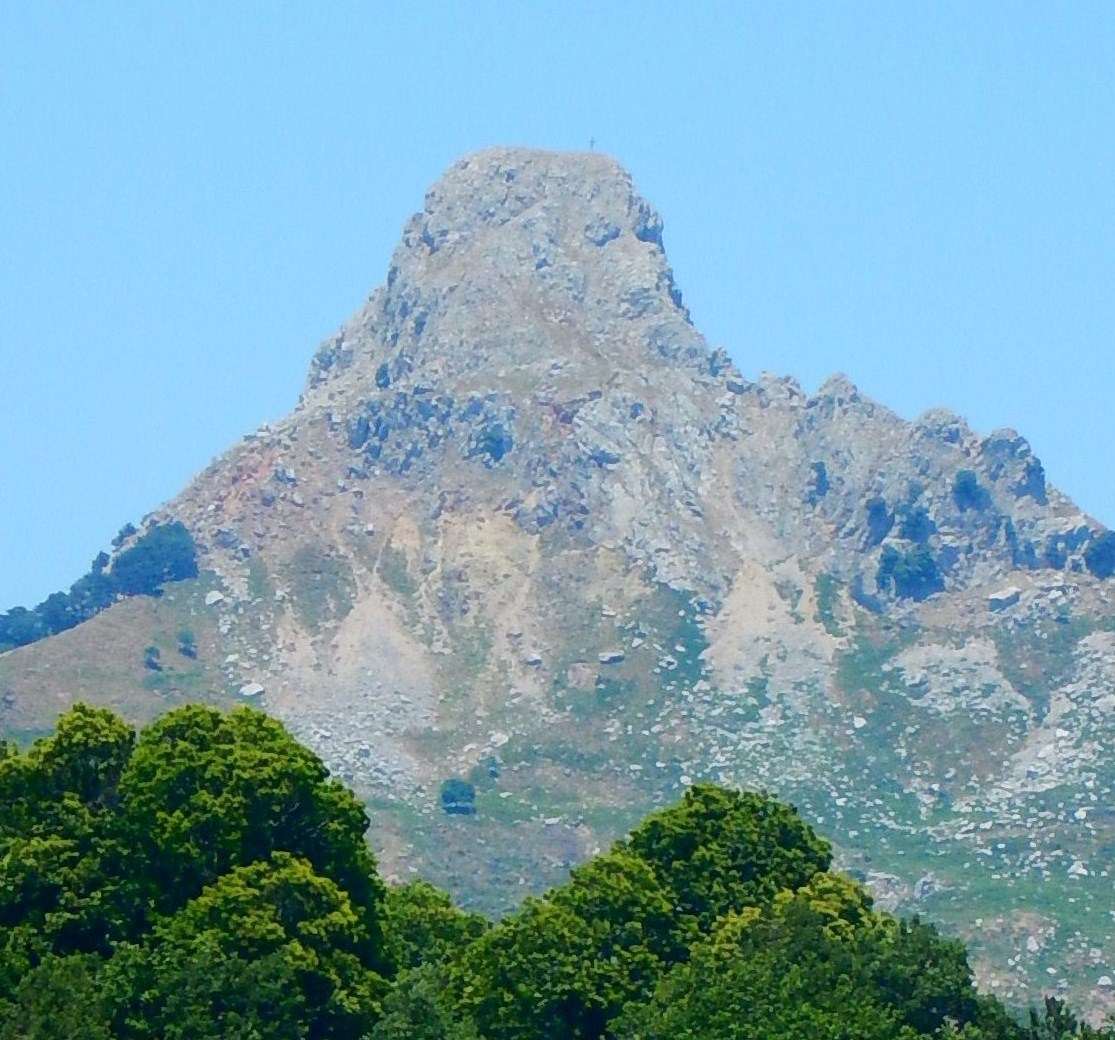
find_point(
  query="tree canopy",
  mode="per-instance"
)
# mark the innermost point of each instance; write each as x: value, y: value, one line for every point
x: 721, y: 850
x: 183, y: 875
x: 208, y: 880
x: 163, y: 553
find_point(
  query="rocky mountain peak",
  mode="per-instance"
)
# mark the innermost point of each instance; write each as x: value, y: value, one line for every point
x: 526, y: 527
x: 838, y: 389
x: 530, y: 327
x: 514, y: 253
x: 499, y: 185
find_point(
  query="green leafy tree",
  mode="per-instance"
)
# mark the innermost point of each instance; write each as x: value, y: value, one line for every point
x: 968, y: 493
x: 205, y: 792
x: 63, y: 888
x: 722, y: 850
x: 817, y: 963
x: 880, y: 520
x: 56, y: 613
x: 165, y: 552
x: 916, y: 524
x: 621, y: 894
x: 912, y: 573
x: 207, y: 880
x: 1056, y: 1022
x: 842, y: 905
x: 566, y: 964
x: 20, y: 626
x: 271, y: 949
x: 420, y: 1007
x: 93, y: 592
x: 926, y: 978
x: 201, y: 991
x: 458, y: 797
x: 85, y: 756
x: 424, y: 927
x: 59, y: 998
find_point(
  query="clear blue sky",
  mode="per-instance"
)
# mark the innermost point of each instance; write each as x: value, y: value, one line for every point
x: 192, y: 196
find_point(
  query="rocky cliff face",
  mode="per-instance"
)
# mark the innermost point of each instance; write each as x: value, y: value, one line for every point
x: 525, y: 527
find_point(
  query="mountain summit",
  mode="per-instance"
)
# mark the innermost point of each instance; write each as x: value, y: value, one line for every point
x: 529, y: 556
x: 516, y: 255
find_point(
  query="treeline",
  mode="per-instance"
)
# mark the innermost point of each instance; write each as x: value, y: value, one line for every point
x: 207, y: 879
x: 164, y: 552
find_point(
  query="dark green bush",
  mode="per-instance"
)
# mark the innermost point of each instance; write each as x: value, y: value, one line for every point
x: 1099, y: 555
x: 911, y: 573
x: 165, y: 552
x: 20, y: 626
x: 458, y: 797
x: 917, y: 525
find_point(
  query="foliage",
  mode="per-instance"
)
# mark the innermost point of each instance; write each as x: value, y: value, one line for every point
x: 165, y: 552
x: 458, y: 797
x: 1099, y: 555
x: 91, y: 594
x: 1057, y: 1022
x: 424, y: 927
x: 205, y: 792
x: 125, y: 532
x: 199, y: 991
x: 420, y: 1007
x: 207, y: 880
x: 20, y: 626
x: 821, y: 483
x: 269, y: 946
x: 723, y: 850
x: 818, y: 963
x: 63, y: 889
x: 566, y: 964
x: 828, y: 599
x: 85, y: 756
x: 916, y: 524
x: 880, y: 520
x: 55, y: 614
x: 60, y: 997
x: 912, y: 573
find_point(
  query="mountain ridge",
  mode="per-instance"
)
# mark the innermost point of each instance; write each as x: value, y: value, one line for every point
x: 526, y: 526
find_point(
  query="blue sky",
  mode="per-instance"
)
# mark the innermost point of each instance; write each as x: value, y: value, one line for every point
x: 194, y: 195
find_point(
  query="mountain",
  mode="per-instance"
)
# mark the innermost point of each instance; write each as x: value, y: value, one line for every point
x: 527, y: 530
